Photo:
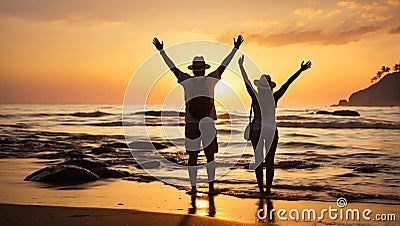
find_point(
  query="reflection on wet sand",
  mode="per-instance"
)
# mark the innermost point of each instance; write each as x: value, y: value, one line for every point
x: 263, y: 212
x: 202, y: 205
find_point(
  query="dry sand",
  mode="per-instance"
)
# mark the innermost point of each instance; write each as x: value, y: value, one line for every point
x: 50, y: 215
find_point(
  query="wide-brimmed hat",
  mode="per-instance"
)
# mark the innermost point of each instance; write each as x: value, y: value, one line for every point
x: 264, y: 82
x: 198, y: 64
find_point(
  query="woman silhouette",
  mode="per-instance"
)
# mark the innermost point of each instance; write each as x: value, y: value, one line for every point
x: 260, y: 126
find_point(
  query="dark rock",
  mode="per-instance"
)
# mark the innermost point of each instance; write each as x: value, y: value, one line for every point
x: 323, y: 113
x: 149, y: 165
x: 289, y: 164
x: 339, y: 113
x: 147, y: 145
x: 343, y: 102
x: 102, y: 149
x: 84, y: 163
x: 62, y: 173
x: 53, y: 155
x: 74, y: 154
x: 346, y: 113
x: 141, y: 178
x: 104, y: 172
x: 115, y: 145
x: 89, y: 114
x: 6, y: 141
x: 366, y: 169
x: 117, y: 123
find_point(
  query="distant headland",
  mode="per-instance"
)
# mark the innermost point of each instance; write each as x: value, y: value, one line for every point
x: 386, y: 92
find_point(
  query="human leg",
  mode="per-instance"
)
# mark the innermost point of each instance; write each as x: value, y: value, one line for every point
x: 192, y: 169
x: 269, y: 163
x: 192, y: 144
x: 209, y: 151
x: 258, y: 148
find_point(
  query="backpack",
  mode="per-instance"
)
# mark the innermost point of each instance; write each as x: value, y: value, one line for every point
x: 200, y: 107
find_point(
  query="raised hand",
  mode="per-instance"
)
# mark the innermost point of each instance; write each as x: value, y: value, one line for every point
x: 241, y: 60
x: 305, y: 66
x: 238, y: 42
x: 157, y: 44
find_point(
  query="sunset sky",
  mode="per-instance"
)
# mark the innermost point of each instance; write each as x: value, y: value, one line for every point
x: 85, y: 51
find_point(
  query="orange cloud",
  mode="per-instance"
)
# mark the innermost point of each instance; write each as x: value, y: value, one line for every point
x: 309, y: 12
x: 349, y: 4
x: 312, y: 37
x: 357, y: 5
x: 383, y: 18
x: 395, y: 30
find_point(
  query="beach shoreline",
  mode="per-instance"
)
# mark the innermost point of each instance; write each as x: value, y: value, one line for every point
x: 131, y: 202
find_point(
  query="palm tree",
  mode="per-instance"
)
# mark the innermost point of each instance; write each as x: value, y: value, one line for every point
x: 396, y: 68
x: 373, y: 79
x: 385, y: 69
x: 377, y: 76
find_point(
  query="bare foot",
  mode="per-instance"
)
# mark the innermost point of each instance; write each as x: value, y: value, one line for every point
x: 192, y: 192
x: 213, y: 191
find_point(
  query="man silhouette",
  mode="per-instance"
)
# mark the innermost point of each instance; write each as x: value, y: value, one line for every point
x: 200, y: 110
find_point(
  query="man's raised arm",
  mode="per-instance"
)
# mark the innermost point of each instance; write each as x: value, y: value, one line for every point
x: 160, y: 47
x: 227, y: 60
x: 304, y: 66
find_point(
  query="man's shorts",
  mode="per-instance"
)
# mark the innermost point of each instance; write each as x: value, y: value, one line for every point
x: 192, y: 132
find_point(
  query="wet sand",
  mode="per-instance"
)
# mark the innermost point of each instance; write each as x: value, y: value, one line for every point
x: 51, y: 215
x: 123, y: 202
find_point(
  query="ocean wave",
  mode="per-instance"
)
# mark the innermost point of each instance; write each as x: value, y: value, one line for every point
x: 160, y: 113
x: 369, y: 168
x: 252, y: 193
x: 45, y: 114
x: 230, y: 116
x: 291, y: 117
x: 120, y: 123
x: 18, y: 125
x: 357, y: 196
x: 285, y: 124
x: 361, y: 155
x: 170, y: 113
x: 301, y: 135
x: 339, y: 125
x: 6, y: 116
x: 304, y: 192
x: 93, y: 114
x: 228, y: 131
x: 296, y: 164
x: 308, y: 145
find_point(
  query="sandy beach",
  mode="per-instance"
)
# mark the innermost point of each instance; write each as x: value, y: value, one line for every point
x: 51, y: 215
x: 123, y: 202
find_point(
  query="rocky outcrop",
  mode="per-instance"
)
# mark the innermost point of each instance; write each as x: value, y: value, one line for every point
x: 386, y: 92
x: 63, y: 173
x: 76, y: 171
x: 339, y: 113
